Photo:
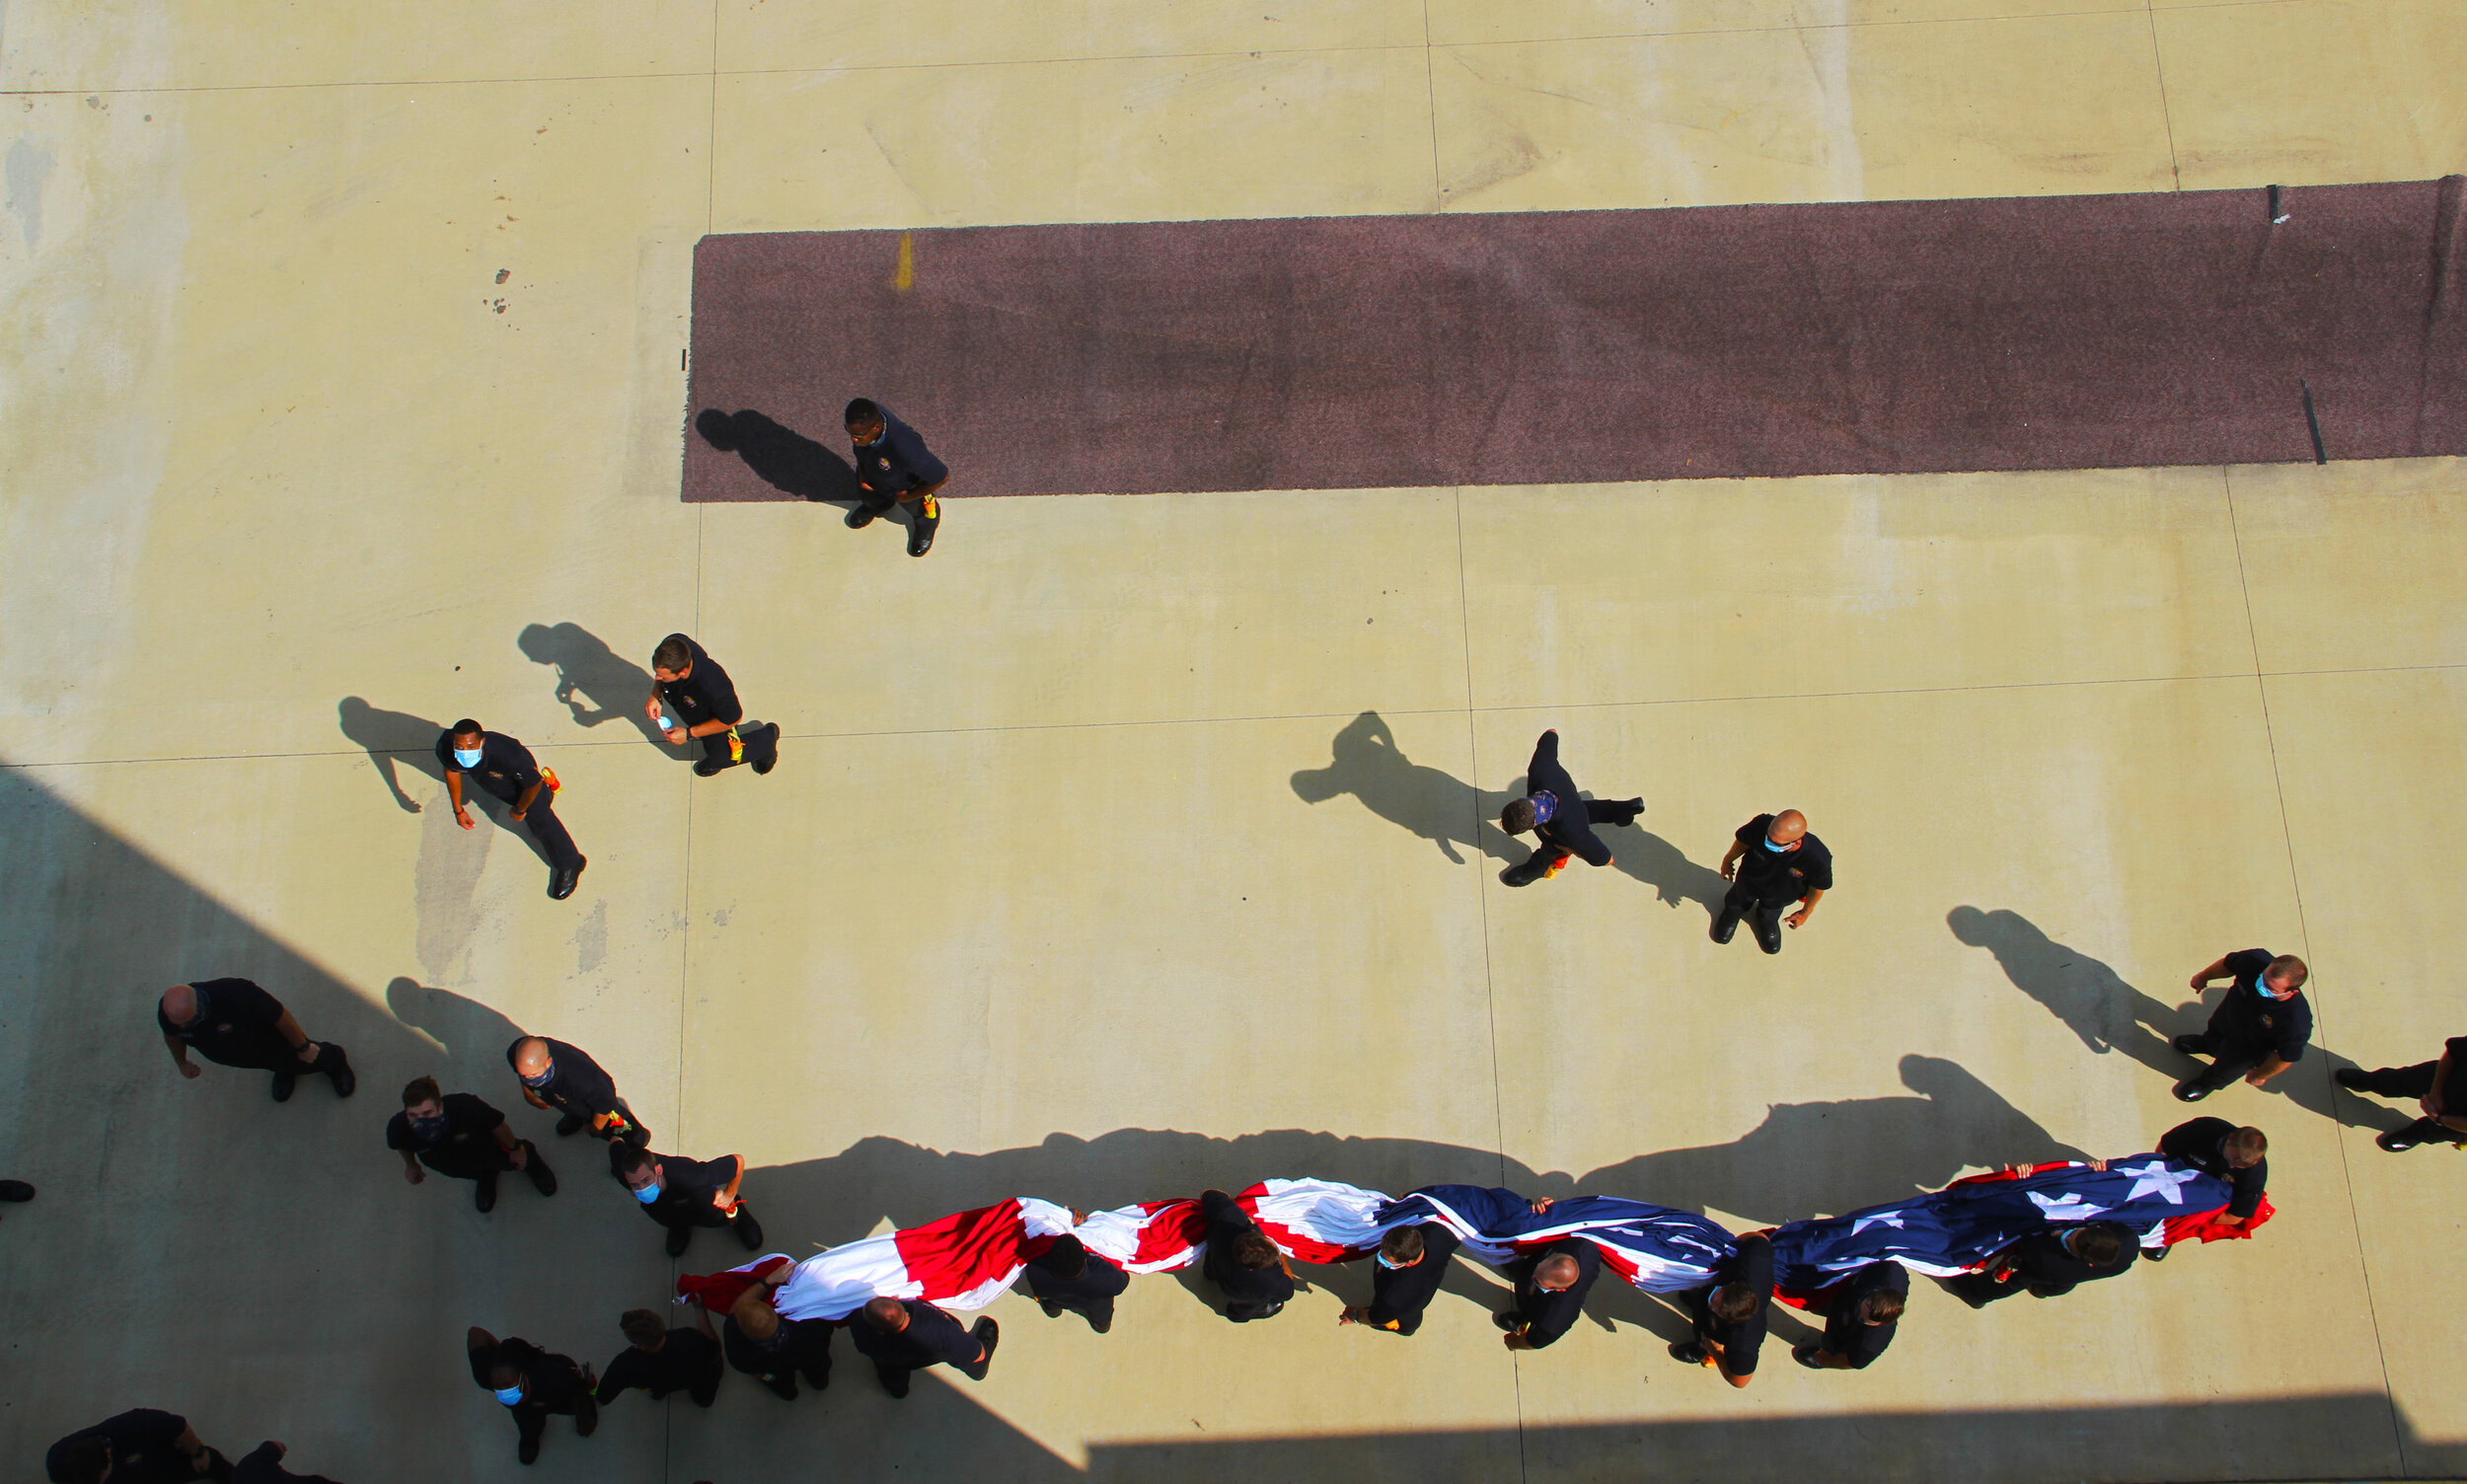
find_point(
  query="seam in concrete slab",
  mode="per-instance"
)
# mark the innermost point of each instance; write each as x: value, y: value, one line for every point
x: 1385, y: 711
x: 2158, y: 65
x: 2304, y: 935
x: 1430, y: 92
x: 1127, y: 56
x: 1481, y: 897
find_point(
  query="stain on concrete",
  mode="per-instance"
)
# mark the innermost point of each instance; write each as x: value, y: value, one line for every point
x: 590, y: 941
x: 26, y: 172
x: 443, y: 885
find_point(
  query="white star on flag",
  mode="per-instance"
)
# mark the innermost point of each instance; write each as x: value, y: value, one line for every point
x: 1887, y: 1219
x: 2069, y: 1207
x: 2156, y: 1179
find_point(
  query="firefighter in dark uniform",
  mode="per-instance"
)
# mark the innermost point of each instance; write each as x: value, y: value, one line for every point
x: 505, y: 771
x: 894, y: 467
x: 1772, y: 863
x: 1562, y: 819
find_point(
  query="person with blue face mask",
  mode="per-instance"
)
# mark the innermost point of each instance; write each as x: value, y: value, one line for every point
x: 1773, y: 864
x: 533, y: 1385
x: 683, y: 1194
x: 1560, y: 817
x: 461, y: 1136
x: 505, y: 771
x: 2260, y: 1028
x: 1406, y: 1272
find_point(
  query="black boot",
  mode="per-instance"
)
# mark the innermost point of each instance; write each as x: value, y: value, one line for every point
x: 543, y: 1178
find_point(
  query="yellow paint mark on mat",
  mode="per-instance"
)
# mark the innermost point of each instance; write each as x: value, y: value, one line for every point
x: 904, y: 276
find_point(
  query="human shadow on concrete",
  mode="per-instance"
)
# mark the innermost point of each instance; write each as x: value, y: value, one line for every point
x: 1639, y: 853
x: 391, y: 739
x: 2097, y: 1005
x: 470, y: 1036
x: 615, y: 686
x: 1837, y: 1156
x: 155, y: 1178
x: 1804, y: 1160
x: 1425, y: 801
x: 782, y: 457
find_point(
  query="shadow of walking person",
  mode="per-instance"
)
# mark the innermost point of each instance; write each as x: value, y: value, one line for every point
x: 1825, y: 1158
x: 586, y: 666
x: 2096, y: 1003
x: 1435, y: 806
x: 392, y: 737
x: 2092, y: 1000
x: 782, y: 457
x: 473, y: 1037
x: 1661, y: 865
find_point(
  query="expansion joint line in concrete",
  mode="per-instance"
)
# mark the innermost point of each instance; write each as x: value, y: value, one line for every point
x: 1481, y: 898
x: 2167, y: 117
x: 2304, y: 935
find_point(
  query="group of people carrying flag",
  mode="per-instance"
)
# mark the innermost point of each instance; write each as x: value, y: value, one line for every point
x: 1977, y: 1232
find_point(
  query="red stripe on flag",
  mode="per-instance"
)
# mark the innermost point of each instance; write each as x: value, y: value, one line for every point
x: 962, y: 1251
x: 1172, y: 1227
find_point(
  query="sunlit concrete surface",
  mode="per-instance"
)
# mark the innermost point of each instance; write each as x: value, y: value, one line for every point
x: 1127, y: 846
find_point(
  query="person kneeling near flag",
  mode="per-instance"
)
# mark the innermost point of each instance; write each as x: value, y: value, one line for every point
x: 2051, y: 1264
x: 903, y: 1336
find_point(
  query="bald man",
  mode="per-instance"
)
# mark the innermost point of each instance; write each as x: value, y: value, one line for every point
x: 772, y: 1350
x: 1552, y: 1293
x: 1773, y: 864
x: 232, y: 1022
x: 903, y: 1336
x: 559, y: 1079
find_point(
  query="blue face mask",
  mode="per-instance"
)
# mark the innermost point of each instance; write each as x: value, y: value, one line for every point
x: 512, y: 1396
x: 648, y: 1195
x: 467, y: 757
x: 1394, y: 1267
x: 1775, y: 848
x: 1545, y: 807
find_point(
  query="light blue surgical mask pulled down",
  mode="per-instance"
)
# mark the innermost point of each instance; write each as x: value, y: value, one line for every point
x: 1394, y: 1267
x: 512, y: 1396
x: 648, y: 1195
x: 1775, y: 848
x: 467, y: 757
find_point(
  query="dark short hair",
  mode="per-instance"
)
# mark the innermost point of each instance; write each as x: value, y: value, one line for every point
x: 1253, y: 1250
x: 503, y: 1372
x: 644, y: 1326
x: 1067, y: 1257
x: 861, y: 409
x: 1734, y: 1301
x: 624, y: 1160
x: 467, y: 728
x: 883, y: 1313
x: 674, y: 654
x: 82, y: 1460
x: 2290, y: 968
x: 1402, y: 1245
x: 2101, y: 1242
x: 2246, y: 1147
x: 1880, y: 1307
x: 1517, y: 817
x: 420, y: 1089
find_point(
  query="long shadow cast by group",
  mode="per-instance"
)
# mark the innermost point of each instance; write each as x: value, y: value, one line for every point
x: 1436, y: 805
x: 2108, y: 1013
x: 262, y: 1268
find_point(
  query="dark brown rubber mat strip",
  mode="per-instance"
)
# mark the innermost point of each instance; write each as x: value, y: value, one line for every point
x: 1592, y: 346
